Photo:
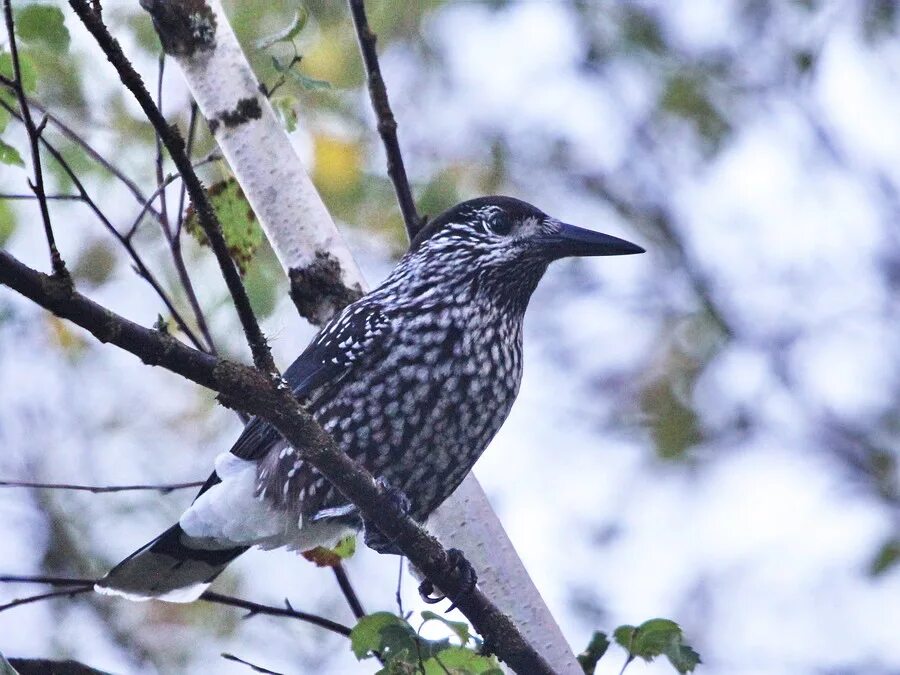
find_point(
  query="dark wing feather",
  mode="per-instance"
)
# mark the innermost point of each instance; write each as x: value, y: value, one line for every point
x: 356, y: 330
x: 327, y: 358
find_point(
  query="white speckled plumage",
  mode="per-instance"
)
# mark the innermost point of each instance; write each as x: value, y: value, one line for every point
x: 413, y: 380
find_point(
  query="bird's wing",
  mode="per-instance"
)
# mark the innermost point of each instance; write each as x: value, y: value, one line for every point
x: 353, y: 334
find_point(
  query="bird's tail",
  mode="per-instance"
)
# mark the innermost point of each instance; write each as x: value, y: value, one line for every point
x: 168, y: 568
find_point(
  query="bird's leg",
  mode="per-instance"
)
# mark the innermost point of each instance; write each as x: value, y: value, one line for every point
x: 463, y: 571
x: 372, y: 536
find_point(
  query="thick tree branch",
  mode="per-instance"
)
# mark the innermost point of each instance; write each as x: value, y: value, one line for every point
x: 206, y: 215
x: 387, y: 125
x: 254, y: 392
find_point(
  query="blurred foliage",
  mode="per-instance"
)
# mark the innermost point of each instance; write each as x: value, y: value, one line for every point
x: 95, y: 264
x: 886, y: 558
x: 7, y: 222
x: 596, y: 648
x: 44, y: 25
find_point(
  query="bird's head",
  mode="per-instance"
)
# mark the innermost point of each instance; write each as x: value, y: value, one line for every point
x: 503, y: 245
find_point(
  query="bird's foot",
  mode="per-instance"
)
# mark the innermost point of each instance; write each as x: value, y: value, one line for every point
x: 465, y: 577
x: 373, y: 537
x: 396, y: 495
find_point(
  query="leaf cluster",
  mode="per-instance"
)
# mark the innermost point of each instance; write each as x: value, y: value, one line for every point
x: 403, y: 650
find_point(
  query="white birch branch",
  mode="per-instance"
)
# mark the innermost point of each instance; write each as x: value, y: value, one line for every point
x: 324, y: 275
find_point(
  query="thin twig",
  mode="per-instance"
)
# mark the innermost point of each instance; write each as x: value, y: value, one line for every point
x: 387, y: 125
x: 163, y: 208
x: 206, y: 215
x: 70, y: 592
x: 175, y: 243
x: 58, y: 197
x: 347, y: 589
x: 34, y: 135
x: 168, y: 180
x: 76, y: 138
x: 164, y: 488
x: 399, y: 596
x: 189, y: 149
x: 252, y: 666
x: 253, y: 608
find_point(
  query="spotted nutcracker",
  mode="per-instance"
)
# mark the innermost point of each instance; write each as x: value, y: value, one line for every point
x: 412, y: 380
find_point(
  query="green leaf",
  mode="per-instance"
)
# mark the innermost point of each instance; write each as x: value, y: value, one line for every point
x: 7, y: 222
x: 43, y: 24
x: 653, y: 637
x: 461, y: 661
x: 404, y: 651
x: 887, y: 557
x: 657, y: 637
x: 461, y: 628
x: 9, y: 155
x: 239, y: 227
x: 683, y: 658
x: 288, y: 33
x: 290, y: 69
x: 286, y: 107
x: 366, y: 638
x: 624, y: 636
x: 29, y: 75
x: 593, y: 652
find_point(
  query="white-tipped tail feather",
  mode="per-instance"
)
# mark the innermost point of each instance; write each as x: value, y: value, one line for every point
x: 168, y: 568
x: 225, y: 520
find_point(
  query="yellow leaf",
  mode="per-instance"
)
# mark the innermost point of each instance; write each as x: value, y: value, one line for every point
x: 338, y: 164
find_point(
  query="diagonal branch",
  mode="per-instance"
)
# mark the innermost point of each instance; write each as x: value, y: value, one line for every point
x: 387, y: 125
x: 255, y: 392
x: 206, y: 215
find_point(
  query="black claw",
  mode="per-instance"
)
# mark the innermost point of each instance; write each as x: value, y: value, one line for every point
x: 396, y: 495
x: 464, y: 572
x: 373, y: 537
x: 426, y: 588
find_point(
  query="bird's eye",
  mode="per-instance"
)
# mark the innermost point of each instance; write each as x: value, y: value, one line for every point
x: 501, y: 225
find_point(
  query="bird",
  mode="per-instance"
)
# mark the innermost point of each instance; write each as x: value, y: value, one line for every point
x: 412, y: 380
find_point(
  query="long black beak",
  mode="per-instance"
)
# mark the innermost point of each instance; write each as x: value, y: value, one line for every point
x: 577, y: 241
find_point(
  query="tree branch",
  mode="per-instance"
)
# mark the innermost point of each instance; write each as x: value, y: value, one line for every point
x: 56, y: 261
x: 77, y: 586
x: 206, y: 215
x: 254, y: 392
x: 165, y: 488
x: 387, y: 125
